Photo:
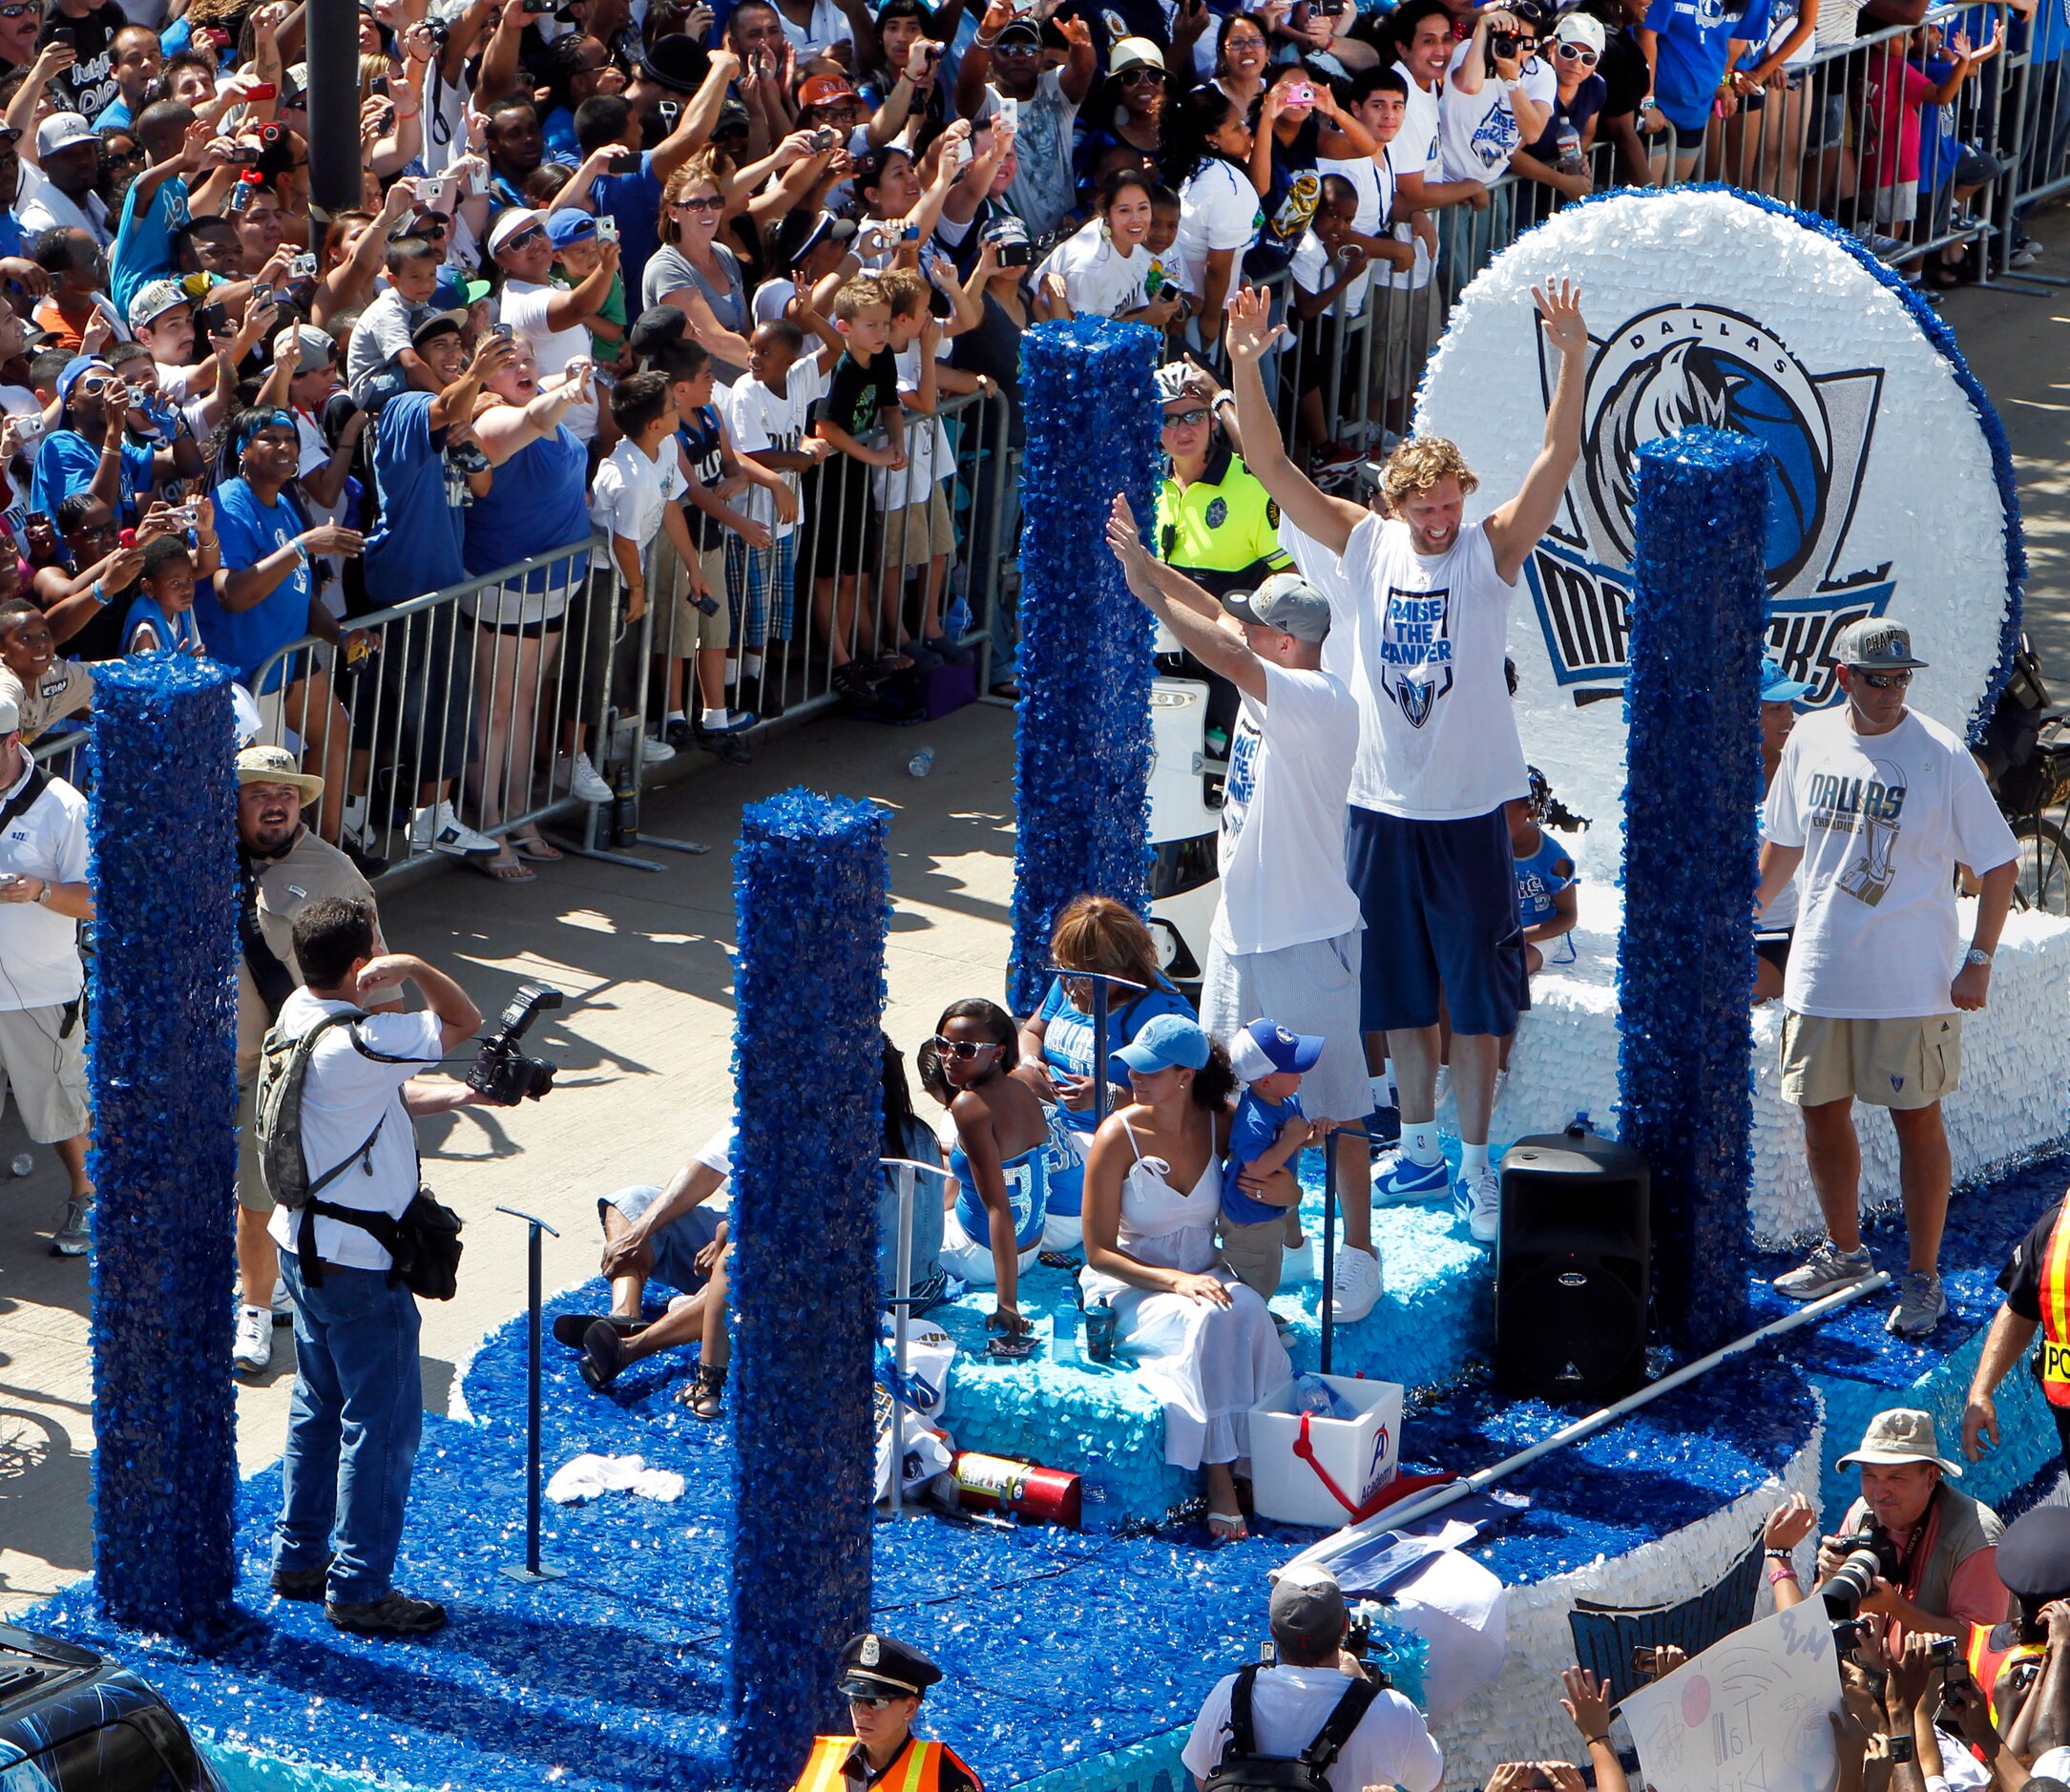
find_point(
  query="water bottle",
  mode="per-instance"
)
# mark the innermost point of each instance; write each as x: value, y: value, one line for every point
x: 1569, y: 141
x: 22, y: 1165
x: 625, y: 810
x: 922, y: 762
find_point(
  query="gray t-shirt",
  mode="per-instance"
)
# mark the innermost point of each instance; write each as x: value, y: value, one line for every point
x: 1042, y: 191
x: 381, y: 333
x: 669, y: 270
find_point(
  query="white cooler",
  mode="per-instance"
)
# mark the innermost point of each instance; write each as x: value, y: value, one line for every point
x: 1358, y: 1455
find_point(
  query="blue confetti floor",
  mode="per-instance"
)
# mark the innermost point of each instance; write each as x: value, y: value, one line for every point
x: 612, y: 1679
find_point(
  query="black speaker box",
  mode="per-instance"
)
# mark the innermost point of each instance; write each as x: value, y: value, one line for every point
x: 1573, y: 1267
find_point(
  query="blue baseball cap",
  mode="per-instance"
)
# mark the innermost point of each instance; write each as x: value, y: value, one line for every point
x: 571, y: 225
x: 1266, y: 1048
x: 1167, y: 1042
x: 1775, y: 688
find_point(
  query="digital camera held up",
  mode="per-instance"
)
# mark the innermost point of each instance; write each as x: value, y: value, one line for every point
x: 501, y: 1073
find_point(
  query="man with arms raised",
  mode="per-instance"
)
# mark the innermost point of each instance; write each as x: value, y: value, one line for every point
x: 1420, y: 608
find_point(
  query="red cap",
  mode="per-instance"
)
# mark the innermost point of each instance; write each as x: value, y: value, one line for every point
x: 823, y: 89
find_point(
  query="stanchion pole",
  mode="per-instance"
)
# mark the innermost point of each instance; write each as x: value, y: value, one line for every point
x: 1329, y: 1248
x: 1101, y: 984
x: 532, y: 1569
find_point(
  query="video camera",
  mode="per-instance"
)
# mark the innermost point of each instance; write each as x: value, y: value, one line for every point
x: 500, y: 1070
x: 1867, y: 1556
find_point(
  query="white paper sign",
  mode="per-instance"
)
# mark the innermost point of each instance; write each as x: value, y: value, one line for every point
x: 1750, y: 1714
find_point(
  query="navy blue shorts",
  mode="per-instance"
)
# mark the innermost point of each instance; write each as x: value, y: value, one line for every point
x: 1439, y: 900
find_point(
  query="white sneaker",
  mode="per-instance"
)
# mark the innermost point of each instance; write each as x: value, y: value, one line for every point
x: 436, y: 828
x: 579, y: 775
x: 252, y: 1350
x: 1355, y: 1285
x: 1297, y: 1264
x: 1446, y: 1112
x: 654, y: 750
x: 1480, y: 1201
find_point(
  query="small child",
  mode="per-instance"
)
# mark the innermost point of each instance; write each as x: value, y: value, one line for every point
x: 1546, y: 900
x: 578, y: 249
x: 1260, y: 1223
x: 919, y: 530
x: 1328, y: 261
x: 635, y: 495
x: 381, y: 334
x: 160, y: 618
x: 1897, y: 89
x: 1167, y: 275
x: 861, y: 417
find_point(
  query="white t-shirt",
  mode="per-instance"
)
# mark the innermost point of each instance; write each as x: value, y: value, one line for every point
x: 1835, y: 24
x: 1372, y: 178
x: 1280, y: 853
x: 762, y: 420
x: 39, y: 947
x: 1419, y: 642
x: 346, y: 1093
x: 1883, y: 819
x: 928, y: 455
x: 316, y: 453
x: 523, y: 307
x: 1100, y: 281
x: 1218, y: 209
x: 1288, y: 1709
x: 1477, y: 130
x: 1418, y: 149
x: 630, y: 491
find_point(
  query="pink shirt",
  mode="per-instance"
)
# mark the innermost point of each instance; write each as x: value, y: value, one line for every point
x: 1896, y: 92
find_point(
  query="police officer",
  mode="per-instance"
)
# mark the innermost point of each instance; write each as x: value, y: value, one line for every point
x: 884, y: 1682
x: 2022, y: 1666
x: 2036, y: 1284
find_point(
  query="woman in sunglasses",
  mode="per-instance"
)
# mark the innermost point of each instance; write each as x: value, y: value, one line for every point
x: 1127, y: 107
x: 697, y: 273
x: 1559, y: 159
x: 993, y: 1226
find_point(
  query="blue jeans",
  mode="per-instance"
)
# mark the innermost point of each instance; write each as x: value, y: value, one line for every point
x: 352, y: 1429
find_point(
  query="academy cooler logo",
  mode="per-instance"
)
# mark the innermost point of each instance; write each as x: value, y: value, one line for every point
x: 1706, y: 309
x: 1679, y: 366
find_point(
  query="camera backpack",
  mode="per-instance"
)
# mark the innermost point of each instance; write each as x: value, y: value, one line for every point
x: 284, y: 1069
x: 1242, y: 1768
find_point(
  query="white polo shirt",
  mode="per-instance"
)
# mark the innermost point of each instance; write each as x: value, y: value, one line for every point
x: 39, y: 947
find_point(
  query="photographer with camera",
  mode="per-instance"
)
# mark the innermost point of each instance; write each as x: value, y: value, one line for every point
x: 1912, y: 1550
x: 344, y: 1484
x: 1311, y: 1700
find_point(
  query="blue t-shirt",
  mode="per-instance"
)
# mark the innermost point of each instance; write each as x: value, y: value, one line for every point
x: 143, y: 241
x: 249, y: 531
x: 1541, y: 878
x: 1252, y: 1132
x: 418, y: 547
x: 538, y: 501
x: 1690, y: 59
x: 1067, y: 1035
x: 558, y: 127
x: 11, y: 232
x: 1027, y: 1189
x: 65, y: 462
x: 634, y: 200
x: 114, y: 116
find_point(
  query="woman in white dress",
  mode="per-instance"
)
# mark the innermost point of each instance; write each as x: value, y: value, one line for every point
x: 1152, y: 1188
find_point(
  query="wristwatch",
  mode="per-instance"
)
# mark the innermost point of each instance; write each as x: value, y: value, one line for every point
x: 43, y: 895
x: 1976, y: 955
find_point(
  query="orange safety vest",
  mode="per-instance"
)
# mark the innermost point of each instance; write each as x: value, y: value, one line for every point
x: 2055, y: 1359
x: 919, y: 1769
x: 1987, y: 1663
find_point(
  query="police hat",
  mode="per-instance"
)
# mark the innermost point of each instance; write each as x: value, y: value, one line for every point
x: 2033, y: 1554
x: 874, y: 1666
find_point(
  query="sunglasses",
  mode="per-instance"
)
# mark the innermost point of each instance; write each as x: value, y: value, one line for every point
x: 1020, y: 47
x: 963, y: 1049
x: 713, y: 203
x: 876, y: 1702
x: 18, y: 11
x: 1185, y: 419
x: 1882, y: 680
x: 1143, y: 77
x: 1573, y: 52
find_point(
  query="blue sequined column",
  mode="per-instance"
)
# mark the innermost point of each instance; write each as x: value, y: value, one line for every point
x: 1686, y: 967
x: 162, y: 1065
x: 809, y: 887
x: 1082, y: 772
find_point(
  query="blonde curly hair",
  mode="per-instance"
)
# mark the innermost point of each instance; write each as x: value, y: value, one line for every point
x: 1418, y: 463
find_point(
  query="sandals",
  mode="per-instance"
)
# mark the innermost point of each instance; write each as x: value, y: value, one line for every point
x: 504, y: 870
x: 1234, y: 1530
x: 536, y: 848
x: 706, y: 1396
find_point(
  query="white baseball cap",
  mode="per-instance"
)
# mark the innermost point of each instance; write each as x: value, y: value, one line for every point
x: 1578, y: 27
x: 61, y: 130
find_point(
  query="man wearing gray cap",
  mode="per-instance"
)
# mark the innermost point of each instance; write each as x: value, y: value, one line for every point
x: 1314, y: 1694
x: 1285, y: 938
x: 1872, y: 808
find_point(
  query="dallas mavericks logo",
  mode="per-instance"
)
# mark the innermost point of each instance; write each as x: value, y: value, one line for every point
x: 1680, y: 366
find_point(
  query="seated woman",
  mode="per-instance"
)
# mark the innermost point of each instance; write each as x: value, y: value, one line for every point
x: 1093, y: 933
x: 1201, y: 1340
x: 994, y: 1228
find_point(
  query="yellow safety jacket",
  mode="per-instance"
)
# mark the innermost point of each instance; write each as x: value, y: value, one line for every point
x: 1987, y: 1663
x: 2054, y: 1358
x: 917, y: 1770
x: 1223, y: 530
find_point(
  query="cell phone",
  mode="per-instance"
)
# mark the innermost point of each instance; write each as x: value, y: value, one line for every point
x: 502, y: 332
x: 302, y: 267
x: 477, y: 182
x: 1646, y: 1660
x: 911, y: 233
x: 538, y: 7
x: 215, y: 34
x: 1900, y: 1747
x: 212, y: 318
x: 66, y: 35
x: 1010, y: 111
x: 263, y: 294
x: 960, y: 151
x: 378, y: 85
x: 241, y: 155
x: 265, y: 89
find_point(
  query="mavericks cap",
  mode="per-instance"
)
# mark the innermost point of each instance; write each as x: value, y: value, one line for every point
x: 1134, y: 53
x: 1265, y: 1049
x: 1903, y: 1435
x: 2033, y: 1554
x: 874, y: 1666
x: 1167, y: 1042
x: 1307, y: 1607
x: 277, y: 765
x: 154, y: 299
x: 77, y: 369
x: 1021, y: 29
x: 1286, y: 602
x: 63, y: 131
x: 654, y: 328
x: 1775, y: 688
x: 509, y: 223
x: 1875, y: 644
x: 570, y: 224
x: 1578, y: 28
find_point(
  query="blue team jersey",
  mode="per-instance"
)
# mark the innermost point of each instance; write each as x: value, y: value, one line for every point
x: 1541, y: 878
x: 1693, y: 36
x: 1252, y: 1131
x: 1027, y: 1192
x: 1067, y: 1035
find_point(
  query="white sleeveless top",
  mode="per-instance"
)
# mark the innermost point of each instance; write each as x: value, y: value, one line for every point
x: 1159, y: 1225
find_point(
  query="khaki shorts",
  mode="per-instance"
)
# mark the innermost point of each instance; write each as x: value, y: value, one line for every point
x: 46, y: 1071
x: 1254, y: 1252
x: 919, y: 532
x: 1909, y: 1063
x: 689, y: 628
x: 252, y: 1193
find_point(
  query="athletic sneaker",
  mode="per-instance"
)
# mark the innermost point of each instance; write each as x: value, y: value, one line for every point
x: 581, y: 777
x: 436, y: 828
x: 1921, y: 1305
x: 1407, y: 1181
x: 1297, y: 1264
x: 392, y: 1615
x: 1478, y: 1201
x: 252, y: 1350
x: 654, y: 750
x: 1826, y: 1271
x: 1355, y: 1284
x: 72, y: 1236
